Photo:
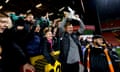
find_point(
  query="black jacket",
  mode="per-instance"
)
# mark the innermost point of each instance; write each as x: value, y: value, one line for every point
x: 12, y: 56
x: 65, y: 46
x: 47, y: 50
x: 98, y: 61
x: 65, y: 41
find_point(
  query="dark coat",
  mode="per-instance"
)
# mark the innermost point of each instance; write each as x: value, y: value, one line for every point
x: 12, y: 56
x: 98, y: 61
x: 65, y: 41
x: 33, y: 45
x: 65, y: 46
x: 47, y: 50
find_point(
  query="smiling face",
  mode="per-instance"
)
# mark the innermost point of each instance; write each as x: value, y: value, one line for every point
x: 69, y: 28
x: 4, y: 22
x: 49, y: 35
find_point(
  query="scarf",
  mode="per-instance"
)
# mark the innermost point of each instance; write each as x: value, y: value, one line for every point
x: 51, y: 43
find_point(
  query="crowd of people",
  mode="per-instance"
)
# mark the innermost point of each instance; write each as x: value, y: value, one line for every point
x: 23, y: 37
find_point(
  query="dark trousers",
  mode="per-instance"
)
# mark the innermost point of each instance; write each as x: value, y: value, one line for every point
x: 70, y: 67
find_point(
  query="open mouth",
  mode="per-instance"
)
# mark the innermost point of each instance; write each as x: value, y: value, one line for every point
x: 2, y: 29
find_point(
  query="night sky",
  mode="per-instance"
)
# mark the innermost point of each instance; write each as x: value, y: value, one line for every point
x: 99, y: 11
x: 108, y: 9
x: 104, y: 9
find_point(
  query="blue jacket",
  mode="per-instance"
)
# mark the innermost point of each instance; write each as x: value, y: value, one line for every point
x: 33, y: 46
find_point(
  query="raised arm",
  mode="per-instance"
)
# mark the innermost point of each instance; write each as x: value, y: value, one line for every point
x: 61, y: 26
x: 82, y: 27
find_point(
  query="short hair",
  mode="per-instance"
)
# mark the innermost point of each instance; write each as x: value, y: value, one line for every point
x: 47, y: 29
x: 67, y: 24
x: 70, y: 21
x: 97, y: 36
x: 29, y: 14
x: 3, y: 14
